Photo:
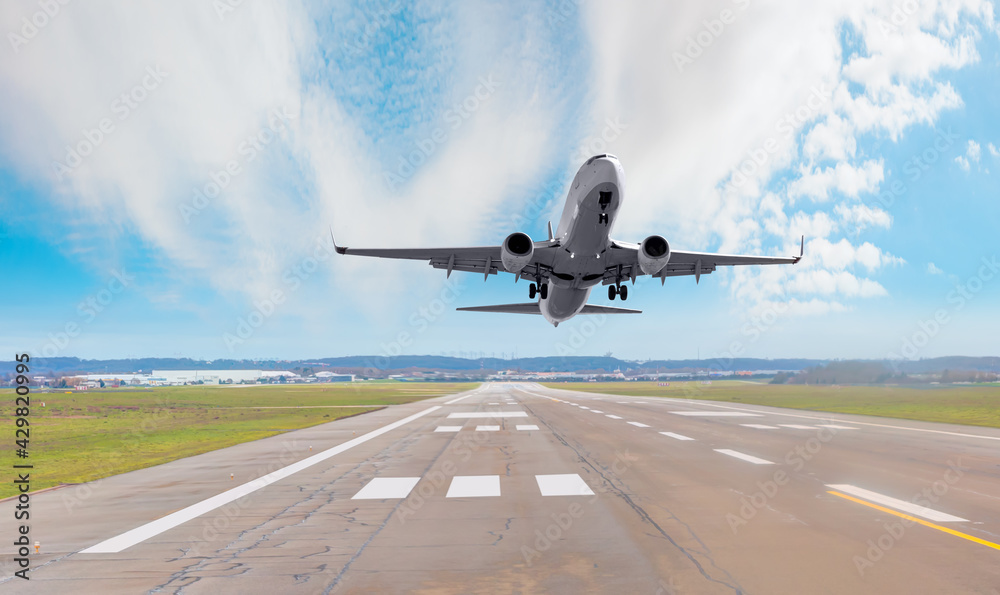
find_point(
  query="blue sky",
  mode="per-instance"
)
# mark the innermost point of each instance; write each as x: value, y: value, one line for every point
x: 226, y: 142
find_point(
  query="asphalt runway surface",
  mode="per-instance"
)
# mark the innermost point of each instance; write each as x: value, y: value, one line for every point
x: 516, y: 488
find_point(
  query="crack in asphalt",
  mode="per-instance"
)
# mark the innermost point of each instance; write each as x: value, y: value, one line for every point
x: 601, y: 471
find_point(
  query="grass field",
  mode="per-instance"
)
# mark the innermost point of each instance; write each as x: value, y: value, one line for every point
x: 970, y: 405
x: 82, y: 436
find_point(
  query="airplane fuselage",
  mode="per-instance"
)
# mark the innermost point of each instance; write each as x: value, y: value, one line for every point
x: 584, y: 231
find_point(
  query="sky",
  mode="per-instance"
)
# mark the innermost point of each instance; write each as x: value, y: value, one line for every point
x: 170, y: 172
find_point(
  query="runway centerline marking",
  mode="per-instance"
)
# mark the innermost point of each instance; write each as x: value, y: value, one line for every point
x: 474, y: 486
x: 448, y: 429
x: 595, y: 411
x: 716, y: 414
x: 459, y: 399
x: 613, y: 416
x: 676, y: 436
x: 797, y: 427
x: 154, y: 528
x: 527, y: 428
x: 638, y: 424
x: 916, y: 520
x: 487, y: 428
x: 836, y: 427
x: 759, y: 426
x: 487, y: 414
x: 383, y: 488
x: 566, y: 484
x: 744, y: 457
x: 901, y: 505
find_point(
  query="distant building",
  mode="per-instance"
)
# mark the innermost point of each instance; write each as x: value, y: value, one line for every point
x: 332, y: 377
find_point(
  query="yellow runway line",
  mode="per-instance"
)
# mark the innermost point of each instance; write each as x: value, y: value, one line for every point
x: 916, y: 520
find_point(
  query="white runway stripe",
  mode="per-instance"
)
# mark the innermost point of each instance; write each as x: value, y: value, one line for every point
x: 759, y: 426
x: 797, y: 427
x: 836, y: 427
x: 448, y: 429
x: 382, y: 488
x: 613, y: 416
x: 901, y: 505
x: 744, y: 457
x: 487, y: 414
x: 677, y: 436
x: 487, y: 428
x: 638, y: 424
x: 567, y: 484
x: 584, y: 407
x: 154, y: 528
x: 474, y: 486
x: 716, y: 414
x: 595, y: 411
x: 527, y: 428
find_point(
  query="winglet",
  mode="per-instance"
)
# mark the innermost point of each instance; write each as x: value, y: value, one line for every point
x: 339, y: 249
x: 802, y: 251
x: 551, y: 235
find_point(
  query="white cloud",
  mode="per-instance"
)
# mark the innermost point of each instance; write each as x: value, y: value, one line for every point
x: 993, y: 150
x: 933, y: 269
x: 973, y: 151
x: 962, y: 162
x: 844, y: 178
x: 861, y: 217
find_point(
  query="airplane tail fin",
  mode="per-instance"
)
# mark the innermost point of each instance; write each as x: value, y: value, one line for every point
x: 532, y: 308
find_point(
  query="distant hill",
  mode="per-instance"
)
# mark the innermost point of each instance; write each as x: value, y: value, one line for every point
x: 69, y: 365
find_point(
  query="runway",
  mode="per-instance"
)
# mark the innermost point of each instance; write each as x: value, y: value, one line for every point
x: 516, y: 488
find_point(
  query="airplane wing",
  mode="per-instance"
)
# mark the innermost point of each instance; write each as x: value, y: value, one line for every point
x: 473, y: 259
x: 533, y: 308
x: 624, y: 262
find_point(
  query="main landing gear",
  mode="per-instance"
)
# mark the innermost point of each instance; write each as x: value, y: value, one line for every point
x: 619, y: 290
x: 542, y: 289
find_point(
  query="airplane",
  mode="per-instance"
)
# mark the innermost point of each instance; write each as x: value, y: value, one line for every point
x: 578, y: 256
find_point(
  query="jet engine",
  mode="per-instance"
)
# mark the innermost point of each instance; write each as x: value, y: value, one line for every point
x: 654, y: 252
x: 516, y: 251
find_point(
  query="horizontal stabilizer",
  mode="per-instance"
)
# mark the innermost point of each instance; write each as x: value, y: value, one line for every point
x: 532, y: 308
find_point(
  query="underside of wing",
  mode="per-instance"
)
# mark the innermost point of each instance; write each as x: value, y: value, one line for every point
x: 485, y: 260
x: 531, y: 308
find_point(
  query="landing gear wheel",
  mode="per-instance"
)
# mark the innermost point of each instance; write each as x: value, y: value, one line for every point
x: 543, y: 290
x: 532, y: 290
x: 612, y: 292
x: 623, y: 292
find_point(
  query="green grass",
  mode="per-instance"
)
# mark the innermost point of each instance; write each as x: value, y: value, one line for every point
x: 970, y: 405
x: 83, y: 436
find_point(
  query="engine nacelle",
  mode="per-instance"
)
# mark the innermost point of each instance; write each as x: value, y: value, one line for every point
x: 516, y: 251
x: 654, y: 253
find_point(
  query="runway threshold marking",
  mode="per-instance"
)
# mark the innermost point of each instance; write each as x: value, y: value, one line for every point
x: 487, y: 414
x: 448, y: 429
x: 383, y: 488
x: 916, y: 520
x: 638, y: 424
x: 565, y: 484
x: 487, y: 428
x: 474, y: 486
x: 154, y: 528
x: 526, y: 427
x: 743, y: 457
x: 908, y: 507
x: 676, y: 436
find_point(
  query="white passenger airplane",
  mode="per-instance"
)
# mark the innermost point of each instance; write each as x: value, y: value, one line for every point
x: 578, y: 256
